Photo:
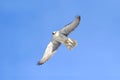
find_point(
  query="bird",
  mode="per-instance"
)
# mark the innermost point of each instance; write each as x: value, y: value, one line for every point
x: 60, y: 37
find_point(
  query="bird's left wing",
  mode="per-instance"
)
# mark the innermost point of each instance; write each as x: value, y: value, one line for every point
x: 50, y: 50
x: 71, y: 26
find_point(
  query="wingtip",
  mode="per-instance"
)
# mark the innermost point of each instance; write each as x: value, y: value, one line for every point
x: 78, y: 17
x: 39, y: 63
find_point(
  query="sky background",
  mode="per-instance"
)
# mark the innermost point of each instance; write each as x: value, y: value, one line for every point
x: 25, y: 31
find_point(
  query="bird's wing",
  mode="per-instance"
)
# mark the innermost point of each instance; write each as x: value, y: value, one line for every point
x: 50, y: 50
x: 71, y: 26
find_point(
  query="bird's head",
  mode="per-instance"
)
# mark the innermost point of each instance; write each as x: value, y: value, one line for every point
x: 53, y: 32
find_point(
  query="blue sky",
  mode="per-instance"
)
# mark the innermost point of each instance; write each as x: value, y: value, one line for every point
x: 25, y: 31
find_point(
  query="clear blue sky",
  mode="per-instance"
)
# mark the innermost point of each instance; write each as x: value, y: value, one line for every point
x: 25, y: 31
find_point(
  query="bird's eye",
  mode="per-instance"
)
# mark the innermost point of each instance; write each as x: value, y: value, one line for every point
x: 53, y: 33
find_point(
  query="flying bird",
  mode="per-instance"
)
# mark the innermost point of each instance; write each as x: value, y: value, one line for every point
x: 60, y: 37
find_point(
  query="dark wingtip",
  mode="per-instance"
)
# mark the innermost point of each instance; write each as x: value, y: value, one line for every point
x: 78, y: 17
x: 39, y: 63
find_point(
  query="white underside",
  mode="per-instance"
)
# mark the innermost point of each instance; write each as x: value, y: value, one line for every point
x: 68, y: 42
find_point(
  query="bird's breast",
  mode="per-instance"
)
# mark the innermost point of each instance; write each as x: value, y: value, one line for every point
x: 60, y: 37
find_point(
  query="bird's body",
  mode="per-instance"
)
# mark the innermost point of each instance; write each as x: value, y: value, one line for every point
x: 69, y: 43
x: 60, y: 37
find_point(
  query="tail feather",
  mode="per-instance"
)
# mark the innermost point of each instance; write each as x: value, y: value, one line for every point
x: 70, y: 43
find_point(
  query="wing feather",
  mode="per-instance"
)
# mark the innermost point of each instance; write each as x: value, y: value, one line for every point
x: 50, y: 50
x: 71, y: 26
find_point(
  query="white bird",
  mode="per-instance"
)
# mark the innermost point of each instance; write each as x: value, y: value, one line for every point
x: 60, y: 37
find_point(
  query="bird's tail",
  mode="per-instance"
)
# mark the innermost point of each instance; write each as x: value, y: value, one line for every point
x: 70, y: 43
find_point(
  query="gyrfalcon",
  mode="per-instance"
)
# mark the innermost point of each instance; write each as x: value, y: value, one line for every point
x: 60, y: 37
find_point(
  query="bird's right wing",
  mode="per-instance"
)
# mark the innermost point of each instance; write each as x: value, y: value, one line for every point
x: 50, y: 50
